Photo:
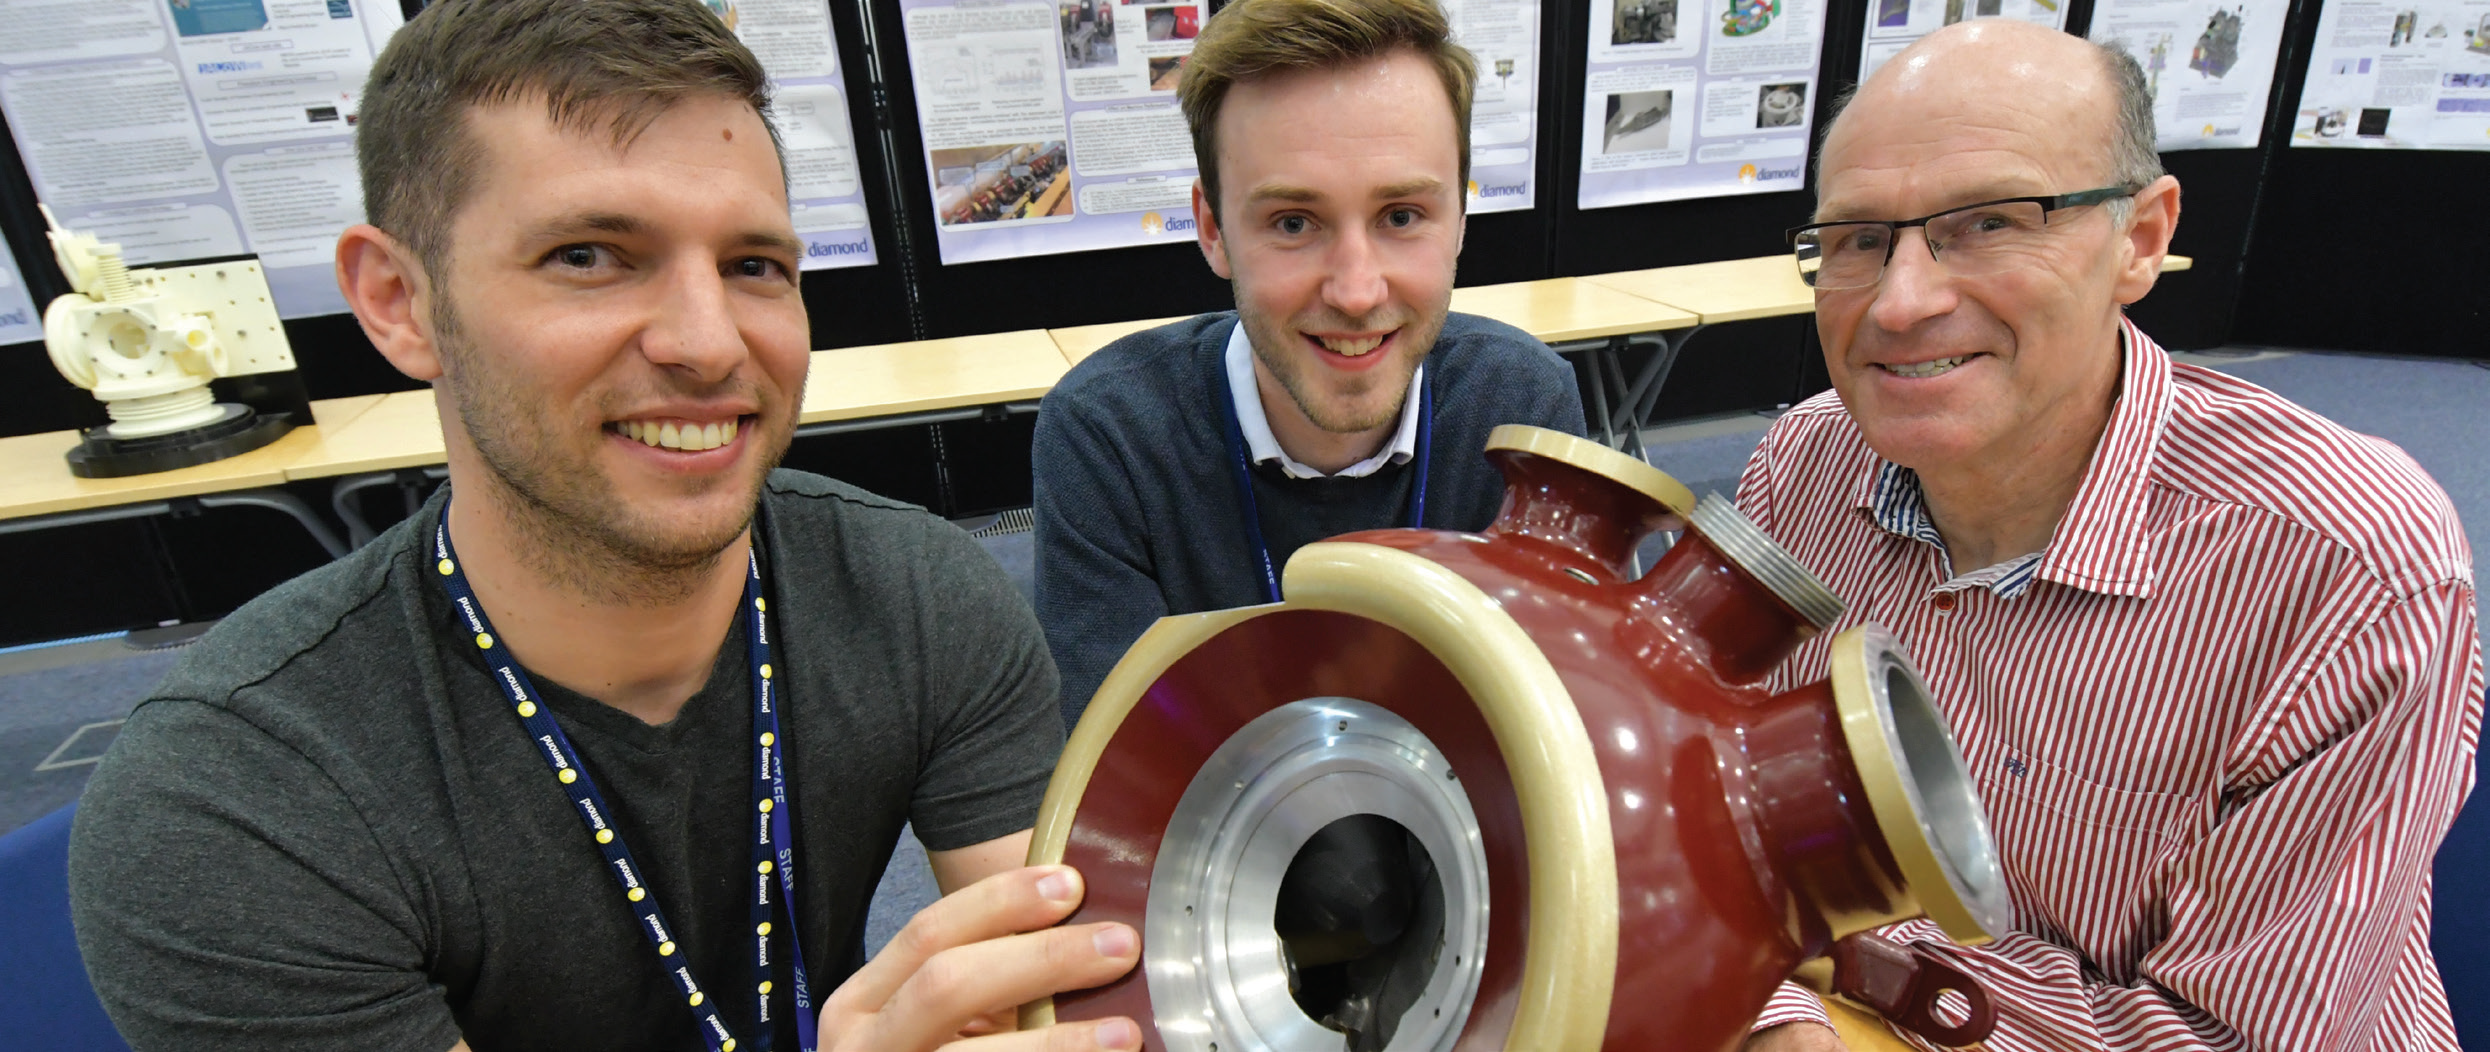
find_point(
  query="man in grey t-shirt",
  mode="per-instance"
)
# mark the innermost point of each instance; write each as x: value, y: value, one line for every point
x: 355, y: 815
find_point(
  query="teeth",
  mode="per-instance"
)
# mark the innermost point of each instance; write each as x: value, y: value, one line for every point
x: 1924, y: 370
x: 1351, y: 348
x: 690, y: 438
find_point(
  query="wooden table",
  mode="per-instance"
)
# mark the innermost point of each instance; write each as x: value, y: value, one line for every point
x: 1081, y: 341
x: 929, y: 377
x: 402, y: 431
x: 37, y: 491
x: 1558, y: 310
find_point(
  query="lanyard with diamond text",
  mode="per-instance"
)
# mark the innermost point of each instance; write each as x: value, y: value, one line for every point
x: 772, y: 849
x: 1243, y: 458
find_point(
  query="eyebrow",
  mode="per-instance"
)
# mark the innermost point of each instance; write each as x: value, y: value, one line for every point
x: 569, y: 226
x: 1422, y: 185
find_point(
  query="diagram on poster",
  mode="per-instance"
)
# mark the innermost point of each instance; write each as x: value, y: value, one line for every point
x: 2398, y: 75
x: 1698, y: 98
x: 2208, y: 63
x: 1896, y: 24
x: 19, y: 321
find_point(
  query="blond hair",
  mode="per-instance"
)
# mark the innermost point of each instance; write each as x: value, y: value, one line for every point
x: 1251, y: 39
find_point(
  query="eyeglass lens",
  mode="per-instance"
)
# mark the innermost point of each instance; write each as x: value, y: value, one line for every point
x: 1969, y: 242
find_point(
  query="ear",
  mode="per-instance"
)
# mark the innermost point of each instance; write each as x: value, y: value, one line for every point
x: 2156, y: 218
x: 1206, y: 233
x: 385, y: 286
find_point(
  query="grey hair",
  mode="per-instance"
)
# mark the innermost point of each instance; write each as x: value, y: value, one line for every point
x: 2135, y: 158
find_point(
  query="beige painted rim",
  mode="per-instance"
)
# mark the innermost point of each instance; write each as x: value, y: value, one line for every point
x: 1872, y: 750
x: 1598, y: 460
x: 1569, y: 964
x: 1158, y: 649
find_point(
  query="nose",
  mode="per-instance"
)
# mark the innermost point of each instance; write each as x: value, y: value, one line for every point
x: 1354, y: 284
x: 694, y: 328
x: 1915, y: 286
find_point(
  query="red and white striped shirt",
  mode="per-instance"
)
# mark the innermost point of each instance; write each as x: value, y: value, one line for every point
x: 2219, y: 730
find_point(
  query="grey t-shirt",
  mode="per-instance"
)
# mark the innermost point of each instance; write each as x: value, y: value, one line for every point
x: 328, y: 830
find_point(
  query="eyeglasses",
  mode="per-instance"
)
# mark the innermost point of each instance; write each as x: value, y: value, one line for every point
x: 1991, y: 237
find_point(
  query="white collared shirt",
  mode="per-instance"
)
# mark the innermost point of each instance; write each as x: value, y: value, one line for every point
x: 1263, y: 446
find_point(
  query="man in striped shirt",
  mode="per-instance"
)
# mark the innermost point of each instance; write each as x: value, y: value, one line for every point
x: 2213, y: 660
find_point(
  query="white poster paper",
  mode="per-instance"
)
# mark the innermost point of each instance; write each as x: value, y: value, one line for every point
x: 198, y: 128
x: 826, y: 196
x: 1896, y: 24
x: 2209, y: 64
x: 19, y: 321
x: 1503, y: 36
x: 1698, y: 98
x: 1051, y: 125
x: 2398, y: 75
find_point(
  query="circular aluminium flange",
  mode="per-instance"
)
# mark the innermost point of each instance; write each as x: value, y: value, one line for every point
x: 1218, y: 974
x: 1918, y: 786
x: 1746, y: 544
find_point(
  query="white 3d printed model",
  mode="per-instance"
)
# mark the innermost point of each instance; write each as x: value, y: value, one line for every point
x: 147, y: 342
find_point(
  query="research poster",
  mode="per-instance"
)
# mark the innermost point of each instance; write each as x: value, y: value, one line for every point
x: 825, y: 192
x: 1503, y: 35
x: 183, y: 129
x: 1698, y: 98
x: 2401, y: 75
x: 1052, y: 127
x: 1896, y: 24
x: 2208, y: 63
x: 20, y: 322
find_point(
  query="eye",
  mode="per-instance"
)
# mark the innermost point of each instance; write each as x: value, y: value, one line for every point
x: 1401, y: 218
x: 756, y: 267
x: 580, y: 257
x: 1861, y: 239
x: 1291, y: 225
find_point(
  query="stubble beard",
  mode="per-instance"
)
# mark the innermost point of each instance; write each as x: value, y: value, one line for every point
x: 571, y: 527
x: 1347, y: 415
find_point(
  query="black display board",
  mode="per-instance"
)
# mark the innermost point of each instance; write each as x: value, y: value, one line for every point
x: 2364, y: 250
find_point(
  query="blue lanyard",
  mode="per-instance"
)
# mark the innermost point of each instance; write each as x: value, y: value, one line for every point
x: 772, y: 848
x: 1243, y: 459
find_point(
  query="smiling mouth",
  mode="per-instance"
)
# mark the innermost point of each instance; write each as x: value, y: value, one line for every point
x: 1924, y: 370
x: 1348, y: 347
x: 685, y: 435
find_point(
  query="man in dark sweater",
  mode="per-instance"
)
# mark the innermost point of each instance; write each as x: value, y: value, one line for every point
x: 1177, y: 469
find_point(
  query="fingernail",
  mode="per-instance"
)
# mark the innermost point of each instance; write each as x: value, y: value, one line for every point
x: 1058, y: 886
x: 1118, y: 1033
x: 1114, y: 940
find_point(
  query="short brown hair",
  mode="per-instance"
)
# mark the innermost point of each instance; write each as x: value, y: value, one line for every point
x: 1250, y: 39
x: 611, y: 63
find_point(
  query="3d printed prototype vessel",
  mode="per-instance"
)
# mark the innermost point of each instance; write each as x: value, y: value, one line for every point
x: 1467, y: 791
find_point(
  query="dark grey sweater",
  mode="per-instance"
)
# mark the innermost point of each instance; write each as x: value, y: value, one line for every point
x: 1138, y: 515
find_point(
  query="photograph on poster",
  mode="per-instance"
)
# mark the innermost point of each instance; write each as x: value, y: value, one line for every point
x: 199, y: 18
x: 1893, y: 14
x: 1781, y: 105
x: 1088, y: 34
x: 1173, y: 22
x: 1644, y: 22
x: 995, y: 184
x: 1637, y: 121
x: 1164, y: 72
